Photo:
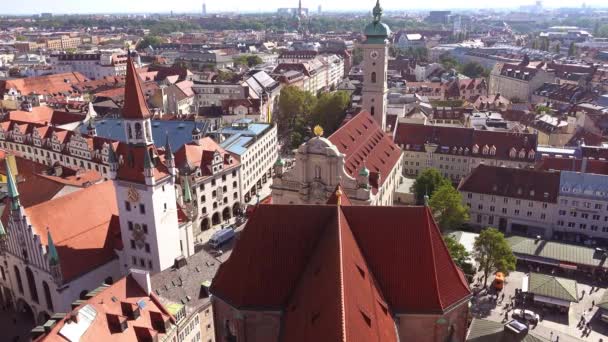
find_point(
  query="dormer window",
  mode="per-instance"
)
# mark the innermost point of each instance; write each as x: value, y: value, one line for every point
x: 485, y: 150
x: 493, y: 150
x: 475, y: 149
x: 565, y: 189
x: 512, y: 152
x: 519, y: 191
x: 522, y: 153
x: 460, y: 150
x: 466, y: 150
x: 531, y: 154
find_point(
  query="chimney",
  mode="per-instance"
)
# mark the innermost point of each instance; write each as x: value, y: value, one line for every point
x: 142, y: 278
x: 180, y: 262
x: 584, y: 165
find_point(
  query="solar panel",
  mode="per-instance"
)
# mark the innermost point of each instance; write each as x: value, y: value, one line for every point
x: 141, y: 303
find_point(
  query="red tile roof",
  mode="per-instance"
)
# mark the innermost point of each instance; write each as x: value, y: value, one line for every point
x: 44, y: 85
x: 412, y: 137
x: 348, y: 266
x: 571, y: 164
x: 45, y: 115
x: 527, y: 184
x: 200, y: 155
x: 85, y: 235
x: 364, y: 143
x: 135, y: 106
x: 108, y: 302
x: 131, y: 163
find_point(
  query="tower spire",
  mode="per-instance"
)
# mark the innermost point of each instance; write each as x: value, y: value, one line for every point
x: 377, y: 12
x: 13, y: 192
x: 135, y: 106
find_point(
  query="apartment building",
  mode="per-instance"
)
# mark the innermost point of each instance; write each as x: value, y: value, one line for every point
x: 514, y: 200
x: 561, y: 204
x: 92, y: 65
x: 456, y: 151
x: 255, y: 145
x: 210, y: 183
x: 519, y: 81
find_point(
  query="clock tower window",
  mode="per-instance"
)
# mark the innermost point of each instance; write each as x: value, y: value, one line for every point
x: 373, y: 77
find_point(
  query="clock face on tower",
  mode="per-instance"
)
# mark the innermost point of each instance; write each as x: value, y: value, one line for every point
x: 374, y: 54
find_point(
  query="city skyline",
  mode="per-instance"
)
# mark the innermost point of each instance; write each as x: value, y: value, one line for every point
x: 194, y: 6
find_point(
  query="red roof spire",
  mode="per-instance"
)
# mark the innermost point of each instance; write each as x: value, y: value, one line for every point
x: 135, y: 106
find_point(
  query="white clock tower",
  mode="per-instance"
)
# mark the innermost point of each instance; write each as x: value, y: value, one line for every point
x: 375, y: 62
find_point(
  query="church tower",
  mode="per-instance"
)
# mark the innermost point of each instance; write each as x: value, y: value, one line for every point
x: 375, y: 63
x: 145, y: 188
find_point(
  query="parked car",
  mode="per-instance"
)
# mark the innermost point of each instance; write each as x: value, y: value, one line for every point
x: 526, y: 315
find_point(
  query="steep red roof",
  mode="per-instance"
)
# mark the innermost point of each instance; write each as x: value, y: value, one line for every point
x: 109, y: 302
x: 384, y: 259
x: 201, y: 155
x: 527, y: 184
x: 85, y: 235
x: 131, y: 166
x: 135, y: 106
x: 364, y: 143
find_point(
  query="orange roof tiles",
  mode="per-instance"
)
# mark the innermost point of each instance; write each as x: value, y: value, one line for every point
x: 85, y: 233
x: 364, y: 143
x: 341, y: 271
x: 44, y: 85
x: 131, y: 167
x: 109, y: 301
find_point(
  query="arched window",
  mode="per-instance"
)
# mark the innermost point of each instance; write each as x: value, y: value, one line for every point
x: 373, y: 77
x: 19, y: 282
x: 317, y: 172
x: 31, y: 283
x: 47, y: 296
x: 372, y: 110
x: 130, y: 131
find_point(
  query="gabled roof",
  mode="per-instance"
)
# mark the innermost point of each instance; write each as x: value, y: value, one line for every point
x: 85, y: 235
x: 201, y: 155
x: 364, y: 144
x: 340, y: 270
x: 553, y: 287
x: 527, y: 184
x: 135, y: 106
x: 132, y: 160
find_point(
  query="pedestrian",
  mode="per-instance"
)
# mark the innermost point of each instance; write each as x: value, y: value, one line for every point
x: 551, y: 336
x: 592, y: 303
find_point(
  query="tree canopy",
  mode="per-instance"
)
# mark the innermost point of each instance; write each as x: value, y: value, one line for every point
x: 149, y: 40
x: 248, y: 60
x: 473, y: 70
x: 426, y: 183
x: 493, y: 253
x: 447, y: 207
x: 460, y: 255
x: 330, y: 110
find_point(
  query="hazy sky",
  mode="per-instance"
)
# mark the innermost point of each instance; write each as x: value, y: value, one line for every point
x: 149, y: 6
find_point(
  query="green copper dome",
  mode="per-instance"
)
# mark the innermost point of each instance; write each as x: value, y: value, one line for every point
x: 376, y: 31
x: 364, y: 172
x: 279, y: 162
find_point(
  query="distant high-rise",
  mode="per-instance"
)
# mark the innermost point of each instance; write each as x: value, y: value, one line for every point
x: 319, y: 9
x: 204, y: 9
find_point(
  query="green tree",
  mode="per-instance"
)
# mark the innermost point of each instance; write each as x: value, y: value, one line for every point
x: 330, y: 110
x: 572, y: 50
x: 21, y: 38
x: 473, y: 70
x: 357, y: 55
x: 457, y: 251
x: 426, y: 183
x: 543, y: 109
x: 248, y: 60
x: 557, y: 48
x: 295, y: 108
x: 493, y: 253
x: 447, y: 61
x: 448, y: 210
x: 149, y: 40
x: 226, y: 76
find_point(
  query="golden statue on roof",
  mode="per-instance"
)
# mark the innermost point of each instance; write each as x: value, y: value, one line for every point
x: 318, y: 130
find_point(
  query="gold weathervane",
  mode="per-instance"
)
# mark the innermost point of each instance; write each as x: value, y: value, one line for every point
x: 318, y: 130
